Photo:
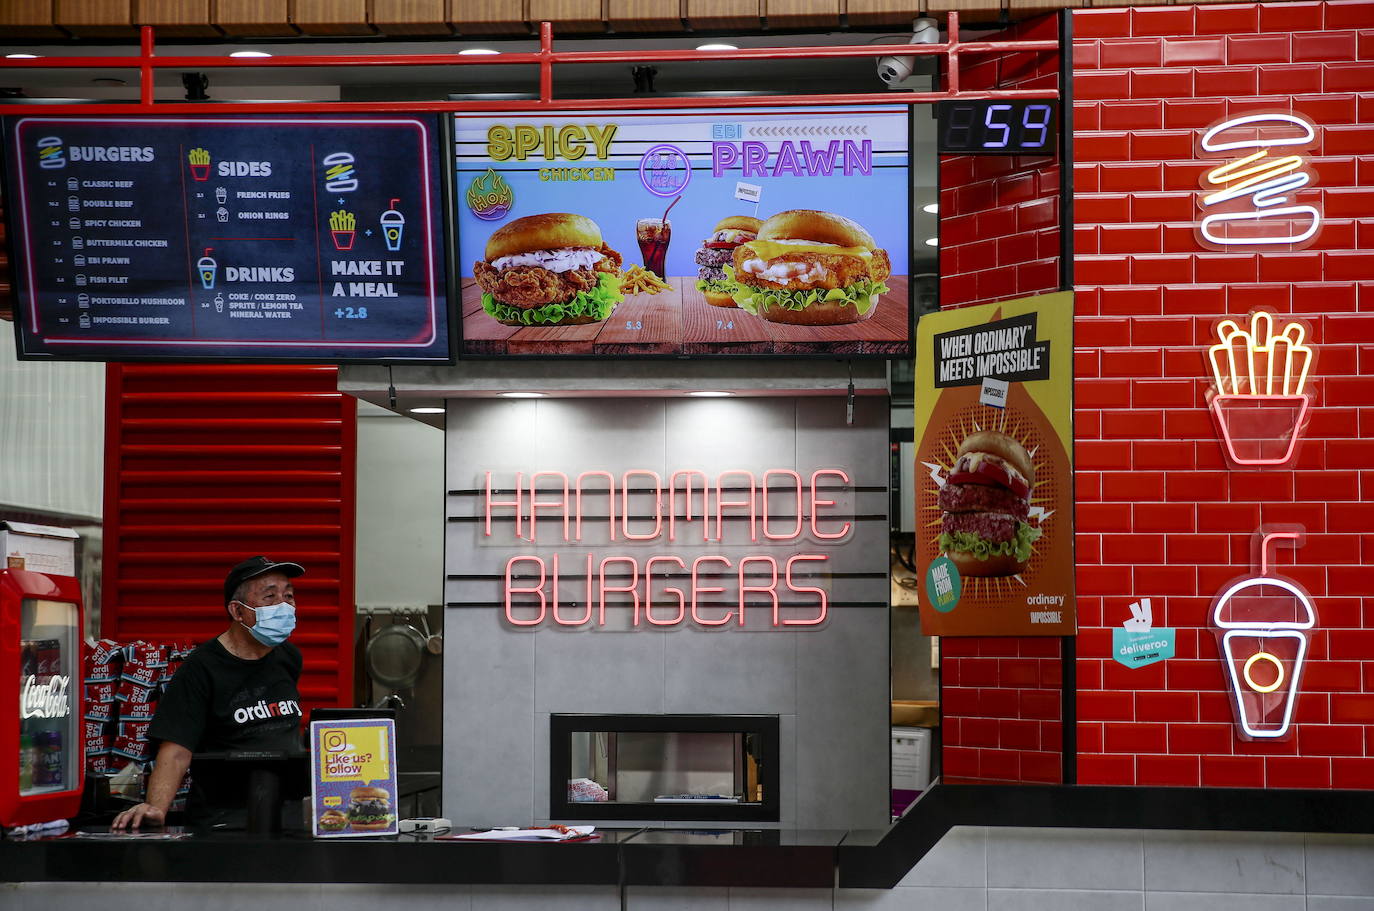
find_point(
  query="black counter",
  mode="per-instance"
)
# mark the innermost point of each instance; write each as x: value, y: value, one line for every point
x: 699, y: 856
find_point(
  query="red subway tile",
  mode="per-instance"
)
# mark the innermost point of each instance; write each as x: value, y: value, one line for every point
x: 1226, y: 267
x: 1131, y: 239
x: 1200, y: 738
x: 1168, y: 771
x: 1039, y: 704
x: 1101, y: 209
x: 1085, y: 57
x: 960, y: 762
x: 1261, y: 486
x: 1018, y: 672
x: 1120, y: 116
x: 1290, y: 79
x: 1297, y: 772
x: 1158, y: 20
x: 1187, y: 424
x: 1226, y: 19
x: 1227, y: 82
x: 1353, y: 140
x: 1262, y: 49
x: 1164, y: 394
x: 1016, y: 248
x: 1330, y: 739
x: 1352, y: 773
x: 1130, y: 300
x: 1017, y: 734
x: 1198, y: 548
x: 1106, y: 770
x: 1135, y: 548
x: 1166, y: 454
x: 1162, y: 83
x: 1170, y: 707
x: 1348, y: 328
x: 1130, y: 177
x: 1232, y: 772
x: 1186, y: 113
x: 978, y: 732
x: 1041, y: 767
x: 1101, y: 23
x: 1322, y: 47
x: 1164, y: 517
x: 1195, y: 675
x: 1132, y: 362
x: 1193, y: 52
x: 1101, y: 147
x: 1166, y: 580
x: 1132, y: 425
x: 1347, y: 77
x: 997, y: 703
x: 1037, y: 277
x: 1195, y: 299
x: 1161, y: 207
x: 1129, y: 53
x: 1348, y: 15
x: 1215, y: 707
x: 1289, y: 267
x: 1185, y: 176
x: 1135, y: 737
x: 999, y: 765
x: 1290, y: 17
x: 1102, y: 270
x: 1039, y: 214
x: 978, y: 672
x: 1197, y: 486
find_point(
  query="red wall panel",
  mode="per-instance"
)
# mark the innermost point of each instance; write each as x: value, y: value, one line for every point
x: 999, y: 239
x: 208, y: 465
x: 1147, y: 81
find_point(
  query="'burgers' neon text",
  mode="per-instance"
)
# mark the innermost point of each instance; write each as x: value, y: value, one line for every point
x: 639, y: 506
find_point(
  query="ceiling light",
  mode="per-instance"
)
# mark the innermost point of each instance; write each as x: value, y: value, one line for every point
x: 21, y: 56
x: 710, y: 394
x: 717, y: 47
x: 931, y: 207
x: 522, y: 395
x: 427, y: 410
x: 932, y: 241
x: 476, y: 51
x: 249, y: 54
x: 108, y: 81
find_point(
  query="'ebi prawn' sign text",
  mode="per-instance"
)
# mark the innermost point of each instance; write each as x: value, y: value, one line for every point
x: 785, y: 514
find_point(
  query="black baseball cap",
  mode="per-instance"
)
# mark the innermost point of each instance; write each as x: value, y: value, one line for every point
x: 251, y: 569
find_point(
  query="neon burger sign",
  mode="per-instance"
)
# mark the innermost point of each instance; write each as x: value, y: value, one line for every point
x: 783, y: 512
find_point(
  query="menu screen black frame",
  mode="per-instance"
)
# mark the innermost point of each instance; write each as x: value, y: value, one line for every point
x: 248, y: 238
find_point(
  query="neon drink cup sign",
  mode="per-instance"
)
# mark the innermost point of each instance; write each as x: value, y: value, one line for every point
x: 531, y: 583
x: 1263, y: 639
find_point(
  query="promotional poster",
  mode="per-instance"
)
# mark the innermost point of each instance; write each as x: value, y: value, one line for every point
x: 782, y: 231
x: 235, y: 237
x: 353, y: 777
x: 994, y: 469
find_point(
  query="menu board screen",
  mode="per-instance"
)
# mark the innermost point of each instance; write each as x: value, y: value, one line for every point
x: 759, y: 231
x: 234, y: 237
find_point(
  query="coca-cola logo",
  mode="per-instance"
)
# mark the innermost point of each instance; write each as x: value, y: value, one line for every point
x: 44, y: 700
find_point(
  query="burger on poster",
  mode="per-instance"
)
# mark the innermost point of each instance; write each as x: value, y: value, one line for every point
x: 333, y: 821
x: 810, y: 268
x: 552, y: 269
x: 369, y: 809
x: 984, y: 505
x: 717, y: 252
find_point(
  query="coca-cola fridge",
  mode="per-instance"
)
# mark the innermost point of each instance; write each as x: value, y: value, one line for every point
x: 40, y: 654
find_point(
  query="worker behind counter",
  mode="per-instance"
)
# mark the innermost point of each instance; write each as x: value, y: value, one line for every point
x: 237, y: 691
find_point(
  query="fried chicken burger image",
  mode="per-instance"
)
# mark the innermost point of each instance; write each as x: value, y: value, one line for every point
x: 717, y: 252
x: 333, y: 821
x: 549, y: 270
x: 810, y: 268
x: 985, y: 503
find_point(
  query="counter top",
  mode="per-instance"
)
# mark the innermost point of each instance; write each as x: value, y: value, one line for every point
x: 695, y: 856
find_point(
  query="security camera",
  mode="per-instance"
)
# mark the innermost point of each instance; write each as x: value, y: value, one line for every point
x: 894, y: 70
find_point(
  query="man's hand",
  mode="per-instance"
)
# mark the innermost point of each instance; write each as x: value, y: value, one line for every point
x: 132, y: 817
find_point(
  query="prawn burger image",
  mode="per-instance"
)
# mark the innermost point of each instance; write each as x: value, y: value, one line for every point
x: 984, y: 506
x: 717, y: 252
x: 549, y: 270
x: 810, y: 268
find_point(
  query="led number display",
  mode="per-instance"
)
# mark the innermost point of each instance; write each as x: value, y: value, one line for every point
x: 997, y: 127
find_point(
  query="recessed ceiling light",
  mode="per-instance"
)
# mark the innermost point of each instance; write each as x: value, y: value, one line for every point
x: 21, y: 56
x: 717, y: 47
x: 931, y: 207
x: 522, y: 395
x: 108, y: 80
x: 476, y: 51
x: 427, y: 410
x: 249, y: 54
x: 932, y: 241
x: 710, y: 394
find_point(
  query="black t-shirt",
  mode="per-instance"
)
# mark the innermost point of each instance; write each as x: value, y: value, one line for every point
x: 217, y: 701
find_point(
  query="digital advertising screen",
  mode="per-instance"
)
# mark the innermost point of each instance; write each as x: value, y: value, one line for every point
x: 244, y: 238
x: 671, y: 233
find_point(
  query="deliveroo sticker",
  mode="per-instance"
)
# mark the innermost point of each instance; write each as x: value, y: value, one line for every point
x: 942, y: 584
x: 1137, y: 648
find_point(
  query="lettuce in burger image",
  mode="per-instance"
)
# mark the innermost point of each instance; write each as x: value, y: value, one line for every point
x: 985, y: 503
x: 810, y: 268
x: 718, y: 252
x: 549, y: 270
x: 369, y: 809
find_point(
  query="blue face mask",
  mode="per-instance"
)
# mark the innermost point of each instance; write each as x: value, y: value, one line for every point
x: 275, y: 623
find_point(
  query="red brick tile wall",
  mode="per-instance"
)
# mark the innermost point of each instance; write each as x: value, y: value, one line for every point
x: 1159, y: 513
x: 999, y: 239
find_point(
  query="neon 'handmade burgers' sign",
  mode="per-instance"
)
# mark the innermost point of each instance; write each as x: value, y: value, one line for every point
x: 783, y: 513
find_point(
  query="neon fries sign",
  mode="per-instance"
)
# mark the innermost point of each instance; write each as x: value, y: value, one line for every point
x: 779, y: 508
x: 1260, y: 398
x: 1245, y: 201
